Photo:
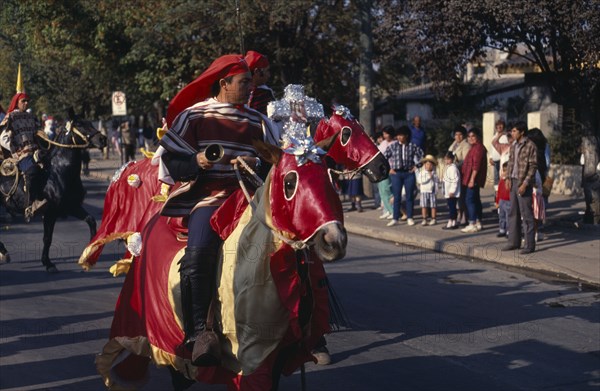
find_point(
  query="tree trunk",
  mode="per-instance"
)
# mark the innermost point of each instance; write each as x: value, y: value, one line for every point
x: 590, y: 179
x: 365, y: 93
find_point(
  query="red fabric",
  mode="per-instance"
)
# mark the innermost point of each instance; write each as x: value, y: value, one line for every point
x: 15, y: 101
x: 256, y: 60
x: 126, y: 208
x: 227, y: 216
x: 199, y: 89
x: 475, y: 160
x: 359, y: 148
x: 292, y: 215
x: 503, y: 193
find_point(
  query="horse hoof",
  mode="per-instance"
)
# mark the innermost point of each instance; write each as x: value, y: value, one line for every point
x: 52, y: 269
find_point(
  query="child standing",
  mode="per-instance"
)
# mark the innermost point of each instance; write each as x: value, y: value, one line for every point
x: 503, y: 202
x: 428, y: 180
x: 451, y: 189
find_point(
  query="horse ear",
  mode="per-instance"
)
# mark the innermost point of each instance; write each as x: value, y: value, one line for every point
x: 268, y: 152
x: 327, y: 143
x: 70, y: 113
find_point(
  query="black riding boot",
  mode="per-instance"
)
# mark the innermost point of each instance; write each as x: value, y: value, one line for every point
x: 197, y: 273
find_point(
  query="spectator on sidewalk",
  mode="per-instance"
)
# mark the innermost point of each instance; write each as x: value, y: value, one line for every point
x: 385, y: 186
x: 451, y: 184
x: 404, y: 157
x: 522, y: 165
x: 473, y: 174
x: 460, y: 148
x: 428, y: 182
x: 503, y: 202
x: 495, y: 154
x: 129, y: 140
x: 418, y: 136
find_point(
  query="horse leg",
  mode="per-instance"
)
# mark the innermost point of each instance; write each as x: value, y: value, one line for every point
x: 179, y: 382
x: 82, y: 214
x: 4, y: 255
x: 49, y: 222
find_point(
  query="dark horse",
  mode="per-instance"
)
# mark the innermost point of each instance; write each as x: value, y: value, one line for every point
x: 63, y: 188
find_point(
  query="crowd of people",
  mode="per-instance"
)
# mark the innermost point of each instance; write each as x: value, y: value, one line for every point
x: 519, y: 160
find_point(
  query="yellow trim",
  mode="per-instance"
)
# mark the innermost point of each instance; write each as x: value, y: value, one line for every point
x: 92, y: 247
x: 20, y: 87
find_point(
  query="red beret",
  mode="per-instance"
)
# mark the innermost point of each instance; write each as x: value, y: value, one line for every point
x: 199, y: 89
x: 256, y: 60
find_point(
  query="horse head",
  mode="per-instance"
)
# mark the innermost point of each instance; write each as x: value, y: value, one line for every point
x: 304, y: 203
x: 78, y: 131
x: 353, y: 148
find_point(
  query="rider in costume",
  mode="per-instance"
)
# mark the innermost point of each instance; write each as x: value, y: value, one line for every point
x: 196, y: 122
x: 261, y: 94
x: 17, y: 135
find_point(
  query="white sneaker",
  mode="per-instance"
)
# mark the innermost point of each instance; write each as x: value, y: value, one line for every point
x: 432, y: 222
x: 410, y: 221
x: 384, y: 215
x: 424, y: 222
x: 392, y: 223
x: 390, y: 216
x: 469, y: 229
x: 478, y: 225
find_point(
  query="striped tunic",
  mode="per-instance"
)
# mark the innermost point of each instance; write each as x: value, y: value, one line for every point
x: 210, y: 122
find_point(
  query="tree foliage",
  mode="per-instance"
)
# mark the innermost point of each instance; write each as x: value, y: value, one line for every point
x: 76, y: 52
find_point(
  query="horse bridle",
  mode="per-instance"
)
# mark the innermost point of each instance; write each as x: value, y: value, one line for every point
x: 76, y: 132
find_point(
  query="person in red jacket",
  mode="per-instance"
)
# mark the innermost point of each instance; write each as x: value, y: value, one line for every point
x: 503, y: 203
x: 473, y: 174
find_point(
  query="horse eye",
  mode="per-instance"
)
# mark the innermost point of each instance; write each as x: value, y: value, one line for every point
x: 290, y: 184
x: 346, y: 133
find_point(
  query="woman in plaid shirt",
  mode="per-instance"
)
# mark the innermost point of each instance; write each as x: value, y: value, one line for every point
x: 404, y: 157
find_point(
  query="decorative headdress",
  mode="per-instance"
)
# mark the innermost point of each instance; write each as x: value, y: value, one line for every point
x: 20, y: 92
x: 297, y: 110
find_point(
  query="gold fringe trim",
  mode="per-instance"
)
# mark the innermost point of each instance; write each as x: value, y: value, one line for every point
x: 122, y: 266
x: 146, y: 153
x: 91, y: 248
x: 139, y: 346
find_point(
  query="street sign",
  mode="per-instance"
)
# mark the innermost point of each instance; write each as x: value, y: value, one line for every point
x: 119, y: 104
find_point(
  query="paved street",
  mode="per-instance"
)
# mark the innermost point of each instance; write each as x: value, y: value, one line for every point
x: 420, y: 320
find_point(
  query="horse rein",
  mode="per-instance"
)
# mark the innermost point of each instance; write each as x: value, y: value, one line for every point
x: 9, y: 168
x: 295, y: 244
x: 69, y: 127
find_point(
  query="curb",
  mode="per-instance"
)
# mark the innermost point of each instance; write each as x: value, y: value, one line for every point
x: 471, y: 248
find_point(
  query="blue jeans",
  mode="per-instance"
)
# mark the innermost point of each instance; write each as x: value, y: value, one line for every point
x: 503, y: 215
x: 408, y: 181
x: 474, y: 207
x: 200, y: 233
x: 452, y: 211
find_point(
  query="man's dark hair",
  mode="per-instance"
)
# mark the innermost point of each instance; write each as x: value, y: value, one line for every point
x: 461, y: 129
x: 521, y: 126
x: 216, y: 87
x: 389, y: 130
x: 404, y: 130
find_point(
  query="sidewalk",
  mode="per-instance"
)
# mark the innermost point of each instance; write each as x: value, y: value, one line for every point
x: 569, y: 250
